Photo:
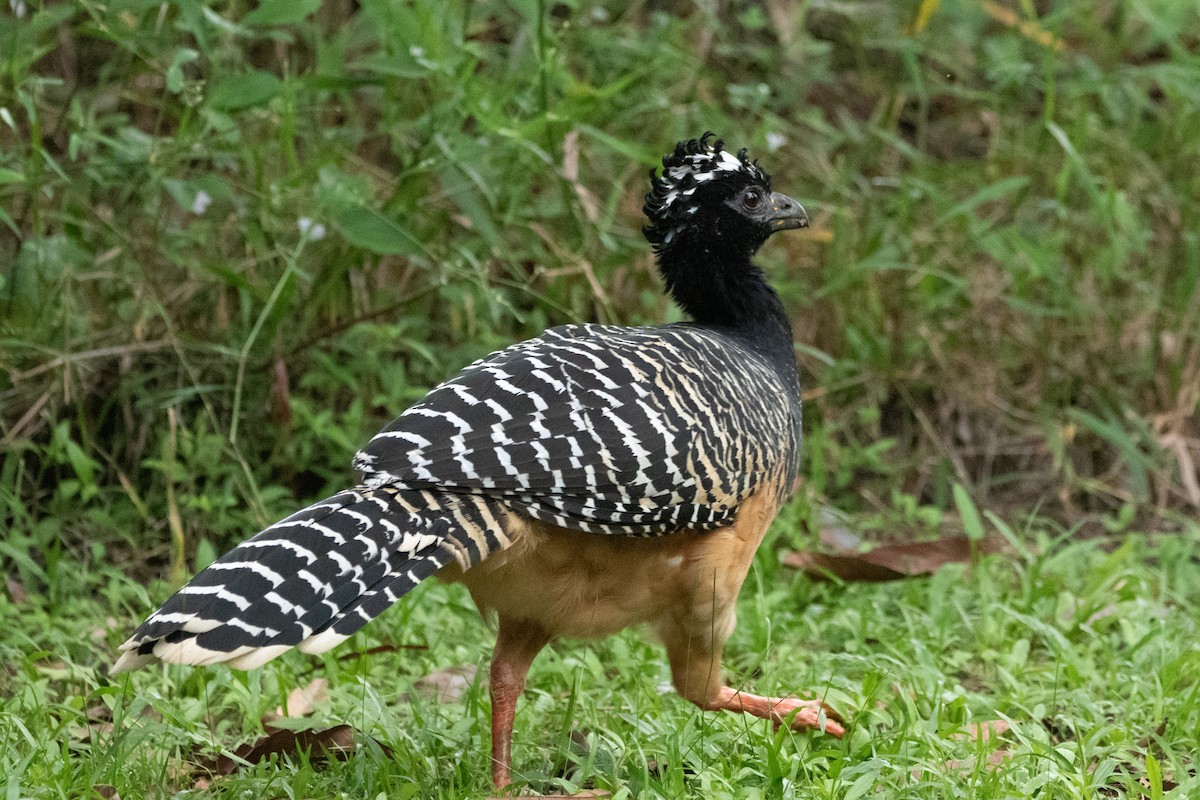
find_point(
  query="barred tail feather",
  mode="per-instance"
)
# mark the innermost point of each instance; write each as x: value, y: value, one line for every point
x: 315, y: 578
x: 374, y: 601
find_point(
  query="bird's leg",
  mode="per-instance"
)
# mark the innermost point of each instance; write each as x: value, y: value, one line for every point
x: 797, y: 714
x: 517, y: 644
x: 695, y: 655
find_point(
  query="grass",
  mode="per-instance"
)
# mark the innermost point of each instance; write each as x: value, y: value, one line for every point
x: 235, y: 241
x: 1086, y: 649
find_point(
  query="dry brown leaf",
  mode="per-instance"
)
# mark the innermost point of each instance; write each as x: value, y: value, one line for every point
x: 106, y: 791
x: 337, y: 742
x: 446, y: 685
x: 1146, y: 740
x: 891, y: 562
x: 99, y: 722
x: 301, y: 701
x: 98, y: 712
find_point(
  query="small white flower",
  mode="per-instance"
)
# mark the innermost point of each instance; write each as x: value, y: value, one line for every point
x: 201, y: 203
x: 775, y: 141
x: 18, y: 8
x: 310, y: 230
x: 416, y: 52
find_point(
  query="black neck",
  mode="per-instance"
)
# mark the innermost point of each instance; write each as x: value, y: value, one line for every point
x: 729, y: 292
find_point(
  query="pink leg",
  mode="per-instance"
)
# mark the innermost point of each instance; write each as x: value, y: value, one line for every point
x: 695, y: 654
x: 799, y: 714
x: 517, y: 644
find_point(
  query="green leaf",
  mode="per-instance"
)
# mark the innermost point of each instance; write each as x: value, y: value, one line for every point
x: 280, y: 12
x: 184, y: 55
x: 969, y: 514
x: 372, y: 230
x: 631, y: 150
x: 1154, y: 777
x: 206, y: 553
x: 861, y: 785
x: 986, y: 195
x: 245, y: 90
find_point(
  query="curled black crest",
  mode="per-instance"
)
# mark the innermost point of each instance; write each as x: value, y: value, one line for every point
x: 691, y: 164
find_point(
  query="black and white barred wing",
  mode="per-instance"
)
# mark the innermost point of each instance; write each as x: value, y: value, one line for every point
x: 601, y: 429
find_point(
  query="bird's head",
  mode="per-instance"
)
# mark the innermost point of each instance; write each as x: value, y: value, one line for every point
x: 715, y: 200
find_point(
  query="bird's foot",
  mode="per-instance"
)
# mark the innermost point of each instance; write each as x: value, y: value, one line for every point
x: 797, y: 714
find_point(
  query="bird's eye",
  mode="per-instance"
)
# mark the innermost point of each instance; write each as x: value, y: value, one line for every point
x: 752, y: 199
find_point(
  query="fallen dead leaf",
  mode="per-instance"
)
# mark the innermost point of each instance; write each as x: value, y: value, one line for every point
x: 106, y: 791
x: 98, y: 712
x: 446, y: 685
x: 99, y: 722
x: 1145, y: 741
x: 337, y: 742
x: 891, y: 562
x: 300, y: 702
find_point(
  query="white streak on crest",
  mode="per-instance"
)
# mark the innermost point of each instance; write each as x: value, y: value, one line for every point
x: 729, y: 161
x: 699, y: 168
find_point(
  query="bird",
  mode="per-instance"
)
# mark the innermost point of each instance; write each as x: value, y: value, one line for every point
x: 590, y: 479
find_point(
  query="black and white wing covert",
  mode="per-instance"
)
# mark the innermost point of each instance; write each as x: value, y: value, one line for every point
x: 635, y: 431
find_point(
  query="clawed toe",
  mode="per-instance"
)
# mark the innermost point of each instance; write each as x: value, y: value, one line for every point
x: 815, y: 715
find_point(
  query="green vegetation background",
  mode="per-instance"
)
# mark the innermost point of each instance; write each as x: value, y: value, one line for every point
x: 236, y: 239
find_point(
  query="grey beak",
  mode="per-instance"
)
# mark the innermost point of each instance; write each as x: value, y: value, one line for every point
x: 785, y: 213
